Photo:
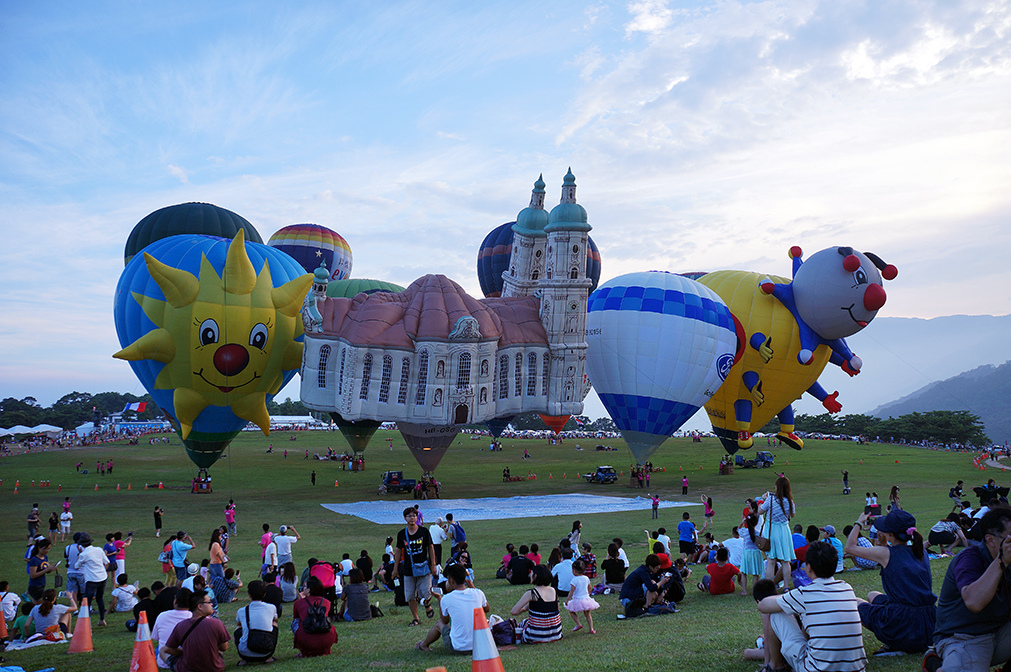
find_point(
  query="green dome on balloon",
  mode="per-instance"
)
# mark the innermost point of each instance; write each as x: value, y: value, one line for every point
x: 351, y: 287
x: 187, y: 218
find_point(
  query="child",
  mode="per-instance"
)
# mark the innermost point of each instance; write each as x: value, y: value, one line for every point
x: 707, y: 503
x: 656, y: 506
x: 580, y: 600
x: 720, y: 575
x: 589, y: 562
x: 19, y: 624
x: 763, y: 589
x: 687, y: 536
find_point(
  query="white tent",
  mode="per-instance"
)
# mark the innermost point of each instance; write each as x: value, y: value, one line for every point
x: 17, y: 429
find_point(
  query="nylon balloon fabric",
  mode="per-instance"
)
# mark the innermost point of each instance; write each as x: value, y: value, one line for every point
x: 658, y: 346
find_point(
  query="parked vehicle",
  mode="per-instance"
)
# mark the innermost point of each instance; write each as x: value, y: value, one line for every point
x: 394, y: 483
x: 603, y: 474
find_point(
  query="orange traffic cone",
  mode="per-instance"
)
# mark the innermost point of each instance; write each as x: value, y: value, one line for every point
x: 129, y: 487
x: 96, y: 487
x: 59, y: 488
x: 161, y: 486
x: 117, y: 487
x: 143, y: 652
x: 3, y: 628
x: 81, y: 641
x: 485, y: 654
x: 336, y: 484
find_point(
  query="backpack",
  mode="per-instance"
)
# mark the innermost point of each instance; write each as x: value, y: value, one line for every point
x: 459, y: 535
x: 316, y: 620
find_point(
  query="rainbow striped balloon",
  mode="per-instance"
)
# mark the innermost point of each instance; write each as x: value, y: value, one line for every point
x: 312, y: 244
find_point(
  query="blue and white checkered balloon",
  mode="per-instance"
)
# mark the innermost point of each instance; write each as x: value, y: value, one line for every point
x: 658, y: 343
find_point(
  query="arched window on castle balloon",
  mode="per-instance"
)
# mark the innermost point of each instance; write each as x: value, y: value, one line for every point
x: 463, y: 370
x: 503, y: 377
x: 519, y: 374
x: 405, y: 377
x: 384, y: 385
x: 546, y: 374
x: 531, y: 375
x: 366, y: 376
x: 324, y: 354
x: 422, y: 393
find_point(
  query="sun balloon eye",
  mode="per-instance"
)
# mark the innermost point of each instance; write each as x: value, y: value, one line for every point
x: 208, y: 332
x: 258, y: 336
x: 860, y: 277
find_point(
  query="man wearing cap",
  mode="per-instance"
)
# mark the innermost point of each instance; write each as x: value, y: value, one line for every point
x: 91, y: 563
x: 192, y: 570
x: 973, y: 631
x: 180, y: 546
x: 828, y: 533
x: 284, y: 542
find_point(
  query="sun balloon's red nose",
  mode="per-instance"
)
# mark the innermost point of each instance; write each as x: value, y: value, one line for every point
x: 874, y: 297
x: 231, y: 359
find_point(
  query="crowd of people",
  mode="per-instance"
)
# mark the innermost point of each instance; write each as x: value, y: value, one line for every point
x: 810, y: 619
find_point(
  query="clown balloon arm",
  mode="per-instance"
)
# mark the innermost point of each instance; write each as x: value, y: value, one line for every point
x: 852, y: 366
x: 830, y: 402
x: 750, y: 379
x: 763, y: 345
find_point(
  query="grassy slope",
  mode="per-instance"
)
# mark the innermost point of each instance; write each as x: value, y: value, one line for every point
x: 708, y: 633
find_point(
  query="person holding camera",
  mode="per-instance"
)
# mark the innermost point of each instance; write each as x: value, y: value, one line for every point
x: 973, y: 631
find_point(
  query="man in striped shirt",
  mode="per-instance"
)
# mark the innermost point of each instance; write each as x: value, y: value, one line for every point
x: 815, y: 628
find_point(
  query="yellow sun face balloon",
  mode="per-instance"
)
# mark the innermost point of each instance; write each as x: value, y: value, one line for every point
x: 226, y: 335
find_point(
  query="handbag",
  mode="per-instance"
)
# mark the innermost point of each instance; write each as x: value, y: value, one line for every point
x: 417, y: 568
x: 762, y: 542
x: 259, y: 641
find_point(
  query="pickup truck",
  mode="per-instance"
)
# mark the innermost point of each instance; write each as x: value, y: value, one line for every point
x: 394, y: 482
x: 763, y: 459
x: 603, y: 474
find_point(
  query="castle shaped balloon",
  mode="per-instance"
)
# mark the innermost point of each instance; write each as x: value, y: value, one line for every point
x: 432, y: 358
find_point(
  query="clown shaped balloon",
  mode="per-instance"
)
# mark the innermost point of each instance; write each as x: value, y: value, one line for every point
x: 658, y: 347
x: 787, y: 333
x: 210, y: 327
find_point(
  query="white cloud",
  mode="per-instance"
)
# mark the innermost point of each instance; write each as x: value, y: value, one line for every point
x: 648, y: 16
x: 180, y: 173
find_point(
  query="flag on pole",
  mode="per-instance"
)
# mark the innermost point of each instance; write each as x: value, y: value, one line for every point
x: 138, y: 406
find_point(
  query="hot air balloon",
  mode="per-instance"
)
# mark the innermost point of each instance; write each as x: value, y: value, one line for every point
x: 659, y: 346
x: 787, y: 333
x: 351, y: 287
x: 496, y: 251
x: 556, y: 423
x: 310, y: 244
x: 187, y: 218
x: 498, y: 425
x: 428, y: 443
x: 210, y: 328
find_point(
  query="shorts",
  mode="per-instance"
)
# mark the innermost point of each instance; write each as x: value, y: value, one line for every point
x: 36, y: 592
x: 941, y: 538
x: 75, y: 583
x: 686, y: 547
x: 447, y: 641
x: 420, y: 586
x: 975, y: 653
x: 65, y: 528
x: 794, y: 643
x: 181, y: 573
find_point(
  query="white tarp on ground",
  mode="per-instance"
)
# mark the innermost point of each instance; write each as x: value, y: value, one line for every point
x: 390, y: 512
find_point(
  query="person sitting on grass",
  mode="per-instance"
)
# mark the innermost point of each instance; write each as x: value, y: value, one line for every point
x: 355, y: 598
x: 256, y: 616
x: 198, y: 642
x: 314, y: 635
x: 22, y: 627
x: 946, y: 533
x: 901, y: 617
x: 225, y: 587
x: 643, y: 587
x: 124, y: 595
x: 47, y: 614
x: 520, y: 568
x: 828, y: 636
x: 456, y: 622
x: 541, y: 601
x: 763, y: 589
x: 720, y: 575
x: 863, y: 542
x: 614, y: 568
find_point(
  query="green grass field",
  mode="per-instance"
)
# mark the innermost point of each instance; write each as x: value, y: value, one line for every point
x: 708, y: 633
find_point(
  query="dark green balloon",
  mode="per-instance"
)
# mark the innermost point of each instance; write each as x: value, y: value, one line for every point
x: 350, y: 287
x: 357, y: 432
x: 187, y: 218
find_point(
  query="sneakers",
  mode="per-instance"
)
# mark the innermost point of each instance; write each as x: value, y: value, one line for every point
x: 931, y: 661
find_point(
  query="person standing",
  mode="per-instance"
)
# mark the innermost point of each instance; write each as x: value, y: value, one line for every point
x: 778, y: 511
x: 230, y: 517
x: 655, y: 500
x: 684, y: 485
x: 33, y: 522
x: 438, y: 532
x: 158, y: 513
x: 38, y: 567
x: 66, y: 518
x: 845, y: 482
x: 312, y: 477
x: 284, y: 541
x: 180, y: 546
x: 91, y: 562
x: 414, y: 560
x: 75, y: 578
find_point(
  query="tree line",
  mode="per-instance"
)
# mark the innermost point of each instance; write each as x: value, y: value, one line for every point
x: 941, y: 427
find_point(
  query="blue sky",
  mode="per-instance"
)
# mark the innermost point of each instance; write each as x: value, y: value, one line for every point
x: 703, y: 135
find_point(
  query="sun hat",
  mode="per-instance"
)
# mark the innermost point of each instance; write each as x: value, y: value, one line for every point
x: 192, y: 568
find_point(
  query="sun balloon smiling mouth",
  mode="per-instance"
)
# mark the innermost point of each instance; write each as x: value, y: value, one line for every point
x: 226, y: 390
